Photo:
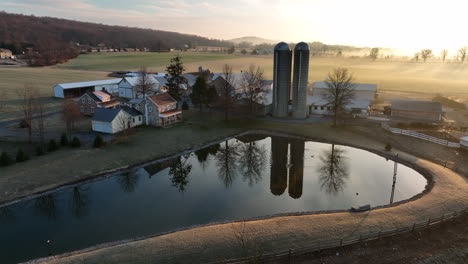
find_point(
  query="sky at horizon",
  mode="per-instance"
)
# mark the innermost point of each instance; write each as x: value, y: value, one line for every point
x: 400, y: 24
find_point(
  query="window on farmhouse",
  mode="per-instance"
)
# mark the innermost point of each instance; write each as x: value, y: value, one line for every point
x: 89, y: 101
x: 83, y: 100
x: 92, y: 109
x: 150, y: 109
x: 133, y: 120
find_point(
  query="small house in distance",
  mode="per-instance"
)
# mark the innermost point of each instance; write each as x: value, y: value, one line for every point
x: 90, y: 101
x: 112, y: 121
x: 5, y: 53
x: 364, y: 94
x: 417, y: 111
x: 71, y: 90
x: 464, y: 142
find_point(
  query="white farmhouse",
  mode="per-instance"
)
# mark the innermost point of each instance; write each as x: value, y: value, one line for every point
x: 128, y: 86
x: 364, y: 95
x: 112, y: 121
x: 71, y: 90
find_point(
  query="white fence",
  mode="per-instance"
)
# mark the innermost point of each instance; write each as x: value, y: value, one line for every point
x: 421, y: 136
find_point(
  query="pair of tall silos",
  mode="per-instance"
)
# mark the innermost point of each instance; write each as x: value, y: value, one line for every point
x: 282, y: 80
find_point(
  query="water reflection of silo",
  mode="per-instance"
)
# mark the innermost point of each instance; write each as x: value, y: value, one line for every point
x: 296, y: 170
x: 279, y: 160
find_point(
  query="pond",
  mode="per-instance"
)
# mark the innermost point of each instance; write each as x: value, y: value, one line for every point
x: 250, y: 176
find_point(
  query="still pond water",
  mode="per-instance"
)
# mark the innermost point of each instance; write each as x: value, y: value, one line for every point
x: 241, y: 178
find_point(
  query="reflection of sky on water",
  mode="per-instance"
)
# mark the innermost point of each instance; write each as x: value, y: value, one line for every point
x: 231, y: 180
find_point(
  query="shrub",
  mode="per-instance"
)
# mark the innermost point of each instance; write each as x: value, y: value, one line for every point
x: 21, y: 156
x: 98, y: 141
x: 75, y: 143
x: 39, y: 150
x: 388, y: 147
x: 185, y: 106
x: 52, y: 146
x: 64, y: 140
x: 5, y: 159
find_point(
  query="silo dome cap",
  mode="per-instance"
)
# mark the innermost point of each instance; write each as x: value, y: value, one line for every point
x: 301, y: 46
x: 282, y: 46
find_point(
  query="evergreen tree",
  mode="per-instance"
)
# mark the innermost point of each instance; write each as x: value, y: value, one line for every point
x: 64, y: 140
x: 21, y: 156
x: 5, y: 159
x: 75, y: 143
x: 98, y: 141
x: 39, y: 150
x: 52, y: 146
x: 199, y: 92
x: 185, y: 106
x: 174, y: 77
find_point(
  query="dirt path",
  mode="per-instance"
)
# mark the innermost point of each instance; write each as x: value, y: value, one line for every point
x: 217, y: 242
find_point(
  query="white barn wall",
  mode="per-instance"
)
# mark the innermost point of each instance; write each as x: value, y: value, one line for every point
x: 58, y: 91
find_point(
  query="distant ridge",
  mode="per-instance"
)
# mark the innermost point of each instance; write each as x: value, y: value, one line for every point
x: 254, y: 40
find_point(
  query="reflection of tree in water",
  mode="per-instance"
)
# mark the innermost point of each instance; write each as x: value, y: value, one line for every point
x: 333, y: 170
x: 226, y: 161
x: 7, y: 215
x: 80, y: 201
x: 179, y: 173
x: 47, y: 206
x: 128, y: 181
x: 202, y: 154
x: 252, y: 162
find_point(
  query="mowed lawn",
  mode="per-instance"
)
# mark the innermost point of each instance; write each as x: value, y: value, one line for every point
x: 135, y: 60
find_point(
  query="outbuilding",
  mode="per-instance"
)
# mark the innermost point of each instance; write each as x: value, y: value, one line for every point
x: 464, y: 142
x: 415, y: 110
x: 128, y: 86
x: 71, y: 90
x: 112, y: 121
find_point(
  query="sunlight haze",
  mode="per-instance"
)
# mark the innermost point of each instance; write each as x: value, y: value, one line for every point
x: 404, y: 25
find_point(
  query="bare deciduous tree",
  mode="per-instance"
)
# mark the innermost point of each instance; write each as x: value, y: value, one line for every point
x: 39, y: 122
x: 227, y: 90
x: 71, y: 115
x: 462, y: 54
x: 28, y: 95
x: 426, y: 54
x: 416, y: 56
x: 374, y: 53
x: 444, y: 54
x: 340, y: 91
x: 252, y: 86
x: 145, y: 85
x: 123, y: 124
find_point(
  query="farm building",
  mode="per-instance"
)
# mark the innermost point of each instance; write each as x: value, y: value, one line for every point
x: 90, y: 101
x: 128, y: 86
x: 364, y: 95
x: 112, y: 121
x: 5, y: 54
x: 421, y: 111
x: 161, y: 110
x: 71, y: 90
x: 464, y: 142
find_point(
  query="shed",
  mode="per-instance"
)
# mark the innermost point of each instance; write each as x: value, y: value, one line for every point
x: 112, y: 121
x: 422, y: 111
x: 464, y: 142
x: 70, y: 90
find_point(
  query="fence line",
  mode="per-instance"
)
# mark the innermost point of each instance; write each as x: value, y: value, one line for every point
x: 318, y: 246
x: 421, y: 136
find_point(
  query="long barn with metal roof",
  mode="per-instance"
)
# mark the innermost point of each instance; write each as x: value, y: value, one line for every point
x: 71, y: 90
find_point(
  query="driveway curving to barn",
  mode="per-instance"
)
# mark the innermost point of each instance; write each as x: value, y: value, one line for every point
x: 218, y: 242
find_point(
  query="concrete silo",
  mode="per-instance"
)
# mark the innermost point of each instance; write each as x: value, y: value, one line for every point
x: 300, y: 79
x: 281, y: 79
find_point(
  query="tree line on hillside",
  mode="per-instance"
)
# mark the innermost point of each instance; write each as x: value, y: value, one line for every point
x: 50, y: 40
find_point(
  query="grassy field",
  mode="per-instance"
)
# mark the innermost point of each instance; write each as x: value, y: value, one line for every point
x: 430, y: 78
x: 395, y: 79
x: 133, y: 61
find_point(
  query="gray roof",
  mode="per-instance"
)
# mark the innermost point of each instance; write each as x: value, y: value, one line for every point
x: 135, y: 80
x: 88, y: 84
x: 357, y: 86
x: 131, y: 111
x: 106, y: 115
x: 418, y: 106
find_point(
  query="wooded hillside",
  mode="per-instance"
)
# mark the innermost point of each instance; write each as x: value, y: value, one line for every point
x: 55, y: 40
